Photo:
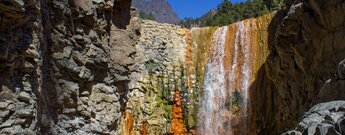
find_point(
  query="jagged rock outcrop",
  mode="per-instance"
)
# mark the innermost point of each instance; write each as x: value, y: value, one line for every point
x: 322, y: 119
x: 65, y: 65
x: 17, y: 99
x: 306, y: 43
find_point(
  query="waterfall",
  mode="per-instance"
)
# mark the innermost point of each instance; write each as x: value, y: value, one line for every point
x: 226, y: 87
x: 245, y: 80
x: 214, y: 86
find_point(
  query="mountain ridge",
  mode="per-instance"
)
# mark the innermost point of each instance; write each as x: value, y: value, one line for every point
x: 160, y: 9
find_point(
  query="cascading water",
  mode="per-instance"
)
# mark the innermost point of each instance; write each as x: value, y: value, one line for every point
x: 225, y: 90
x: 245, y: 50
x: 214, y: 85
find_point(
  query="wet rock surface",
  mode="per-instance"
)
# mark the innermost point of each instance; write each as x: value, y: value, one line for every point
x: 177, y: 125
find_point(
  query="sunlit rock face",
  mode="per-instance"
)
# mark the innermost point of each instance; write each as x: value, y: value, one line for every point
x: 177, y: 123
x: 213, y: 68
x: 197, y: 53
x: 256, y: 76
x: 159, y: 62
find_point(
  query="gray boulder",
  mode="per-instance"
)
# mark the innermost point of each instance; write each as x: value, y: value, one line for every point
x: 322, y: 119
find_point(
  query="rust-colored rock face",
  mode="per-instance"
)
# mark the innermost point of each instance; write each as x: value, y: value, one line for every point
x: 128, y: 123
x: 177, y: 124
x: 197, y: 53
x: 143, y: 129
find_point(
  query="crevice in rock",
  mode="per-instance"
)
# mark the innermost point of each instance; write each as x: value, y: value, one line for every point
x: 122, y: 13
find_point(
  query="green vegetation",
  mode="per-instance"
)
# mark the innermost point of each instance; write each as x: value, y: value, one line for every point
x: 165, y: 81
x: 146, y: 16
x: 151, y: 66
x: 227, y: 13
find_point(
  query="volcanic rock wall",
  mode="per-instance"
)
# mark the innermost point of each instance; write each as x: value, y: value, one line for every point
x: 160, y: 59
x: 69, y: 67
x: 306, y: 44
x: 65, y: 65
x: 172, y: 58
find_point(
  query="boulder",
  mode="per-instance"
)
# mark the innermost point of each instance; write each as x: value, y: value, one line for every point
x: 322, y: 119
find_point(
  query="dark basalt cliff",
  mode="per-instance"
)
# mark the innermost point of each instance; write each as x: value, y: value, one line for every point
x: 307, y: 45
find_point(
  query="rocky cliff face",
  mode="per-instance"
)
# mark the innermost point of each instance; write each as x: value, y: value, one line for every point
x: 306, y: 43
x: 159, y: 58
x: 65, y: 65
x: 172, y: 58
x: 93, y: 67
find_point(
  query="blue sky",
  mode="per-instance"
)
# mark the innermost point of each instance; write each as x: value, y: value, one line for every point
x: 194, y: 8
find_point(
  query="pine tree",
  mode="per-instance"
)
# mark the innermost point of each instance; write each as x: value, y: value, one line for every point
x: 228, y: 13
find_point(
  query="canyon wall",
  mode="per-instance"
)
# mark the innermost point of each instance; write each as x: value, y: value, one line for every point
x: 292, y: 64
x: 94, y: 67
x: 174, y: 59
x: 306, y: 43
x: 65, y: 65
